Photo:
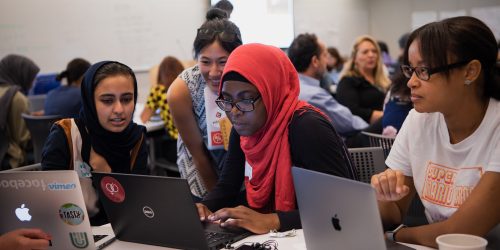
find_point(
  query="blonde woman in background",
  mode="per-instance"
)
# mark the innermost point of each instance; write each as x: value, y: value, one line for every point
x: 363, y: 82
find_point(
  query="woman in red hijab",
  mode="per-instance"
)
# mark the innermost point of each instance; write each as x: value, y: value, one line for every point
x: 272, y: 130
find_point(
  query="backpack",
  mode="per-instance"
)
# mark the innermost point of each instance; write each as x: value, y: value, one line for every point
x: 5, y: 102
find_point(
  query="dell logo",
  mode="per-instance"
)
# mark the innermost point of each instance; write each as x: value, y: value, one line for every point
x: 336, y: 223
x: 148, y: 212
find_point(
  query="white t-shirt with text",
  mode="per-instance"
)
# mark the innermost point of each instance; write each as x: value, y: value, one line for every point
x: 444, y: 174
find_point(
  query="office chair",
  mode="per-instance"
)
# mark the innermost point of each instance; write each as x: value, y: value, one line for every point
x: 378, y: 140
x: 45, y: 83
x: 36, y: 102
x: 39, y: 127
x: 162, y: 153
x: 32, y: 167
x: 368, y: 161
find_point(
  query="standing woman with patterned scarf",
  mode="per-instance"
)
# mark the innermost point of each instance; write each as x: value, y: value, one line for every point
x: 191, y: 98
x: 272, y: 131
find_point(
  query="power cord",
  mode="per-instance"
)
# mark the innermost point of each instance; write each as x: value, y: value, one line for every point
x: 266, y: 245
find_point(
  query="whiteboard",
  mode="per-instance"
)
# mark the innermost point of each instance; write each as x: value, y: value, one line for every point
x: 138, y: 33
x: 264, y: 21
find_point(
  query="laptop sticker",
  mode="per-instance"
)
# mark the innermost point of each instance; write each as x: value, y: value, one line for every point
x: 71, y: 214
x: 112, y: 189
x: 83, y: 169
x: 79, y: 239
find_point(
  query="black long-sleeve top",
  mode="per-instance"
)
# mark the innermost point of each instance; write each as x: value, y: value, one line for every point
x: 314, y: 145
x: 360, y: 96
x: 56, y: 154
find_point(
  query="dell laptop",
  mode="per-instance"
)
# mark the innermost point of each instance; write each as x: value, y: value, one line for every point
x: 49, y: 200
x: 158, y: 210
x: 338, y: 213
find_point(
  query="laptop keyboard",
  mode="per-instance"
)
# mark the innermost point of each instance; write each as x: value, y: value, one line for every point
x: 98, y: 237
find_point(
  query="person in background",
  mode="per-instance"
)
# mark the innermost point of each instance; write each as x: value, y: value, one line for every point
x: 402, y: 45
x: 390, y: 65
x: 386, y: 56
x: 498, y: 61
x: 363, y: 81
x: 309, y: 56
x: 226, y: 6
x: 170, y: 67
x: 103, y: 138
x: 17, y: 74
x: 448, y: 149
x: 25, y: 239
x: 272, y: 131
x: 397, y: 105
x: 334, y: 64
x: 66, y: 100
x: 215, y: 40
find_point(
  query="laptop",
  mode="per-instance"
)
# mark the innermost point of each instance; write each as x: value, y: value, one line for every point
x: 157, y: 210
x: 49, y: 200
x: 338, y: 213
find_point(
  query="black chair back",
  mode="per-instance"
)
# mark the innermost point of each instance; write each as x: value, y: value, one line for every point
x: 36, y: 102
x: 368, y: 161
x: 39, y: 127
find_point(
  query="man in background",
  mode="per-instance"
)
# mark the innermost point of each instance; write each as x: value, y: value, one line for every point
x: 309, y: 56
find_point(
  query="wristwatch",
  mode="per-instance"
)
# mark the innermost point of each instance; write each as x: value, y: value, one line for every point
x: 391, y: 235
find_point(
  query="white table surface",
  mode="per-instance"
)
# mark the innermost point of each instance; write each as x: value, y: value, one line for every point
x: 290, y: 243
x: 150, y: 125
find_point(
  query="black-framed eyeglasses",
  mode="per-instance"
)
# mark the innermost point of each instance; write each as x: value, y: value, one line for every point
x: 224, y: 35
x: 424, y: 73
x: 245, y: 105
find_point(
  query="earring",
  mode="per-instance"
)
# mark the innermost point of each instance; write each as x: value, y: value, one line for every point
x: 468, y: 82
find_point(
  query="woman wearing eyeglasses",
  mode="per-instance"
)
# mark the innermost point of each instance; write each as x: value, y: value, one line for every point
x: 272, y: 131
x: 191, y: 109
x: 363, y: 81
x: 448, y: 149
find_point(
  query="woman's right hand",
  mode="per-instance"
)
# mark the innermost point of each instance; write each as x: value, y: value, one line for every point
x: 203, y: 211
x: 24, y: 239
x: 389, y: 185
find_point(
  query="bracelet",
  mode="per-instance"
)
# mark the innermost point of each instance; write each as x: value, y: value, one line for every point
x: 391, y: 235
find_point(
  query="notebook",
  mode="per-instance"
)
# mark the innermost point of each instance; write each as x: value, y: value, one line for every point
x: 51, y: 201
x: 338, y: 213
x: 158, y: 210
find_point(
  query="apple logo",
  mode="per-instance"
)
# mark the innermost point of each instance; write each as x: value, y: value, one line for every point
x: 336, y: 223
x: 22, y: 213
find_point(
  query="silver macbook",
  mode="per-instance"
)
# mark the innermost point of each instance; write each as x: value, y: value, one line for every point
x: 338, y: 213
x: 159, y: 211
x: 49, y: 200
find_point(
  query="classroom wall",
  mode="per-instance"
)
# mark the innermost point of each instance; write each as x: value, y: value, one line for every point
x: 138, y: 33
x: 339, y: 22
x: 389, y: 25
x: 336, y: 22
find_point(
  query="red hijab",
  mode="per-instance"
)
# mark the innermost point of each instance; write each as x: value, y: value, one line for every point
x: 268, y: 150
